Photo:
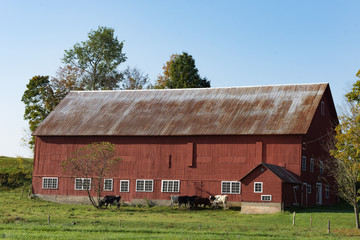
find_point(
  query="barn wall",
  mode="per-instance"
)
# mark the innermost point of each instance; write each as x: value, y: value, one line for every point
x: 199, y: 162
x: 272, y: 185
x: 314, y: 146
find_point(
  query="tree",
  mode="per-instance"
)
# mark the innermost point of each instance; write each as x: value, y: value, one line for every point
x: 67, y: 78
x: 95, y: 161
x: 180, y: 72
x: 39, y: 102
x: 344, y: 166
x: 134, y: 78
x: 99, y: 57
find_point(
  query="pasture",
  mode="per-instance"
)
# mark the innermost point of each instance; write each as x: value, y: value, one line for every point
x: 24, y: 218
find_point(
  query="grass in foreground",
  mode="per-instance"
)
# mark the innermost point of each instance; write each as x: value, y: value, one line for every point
x: 23, y: 218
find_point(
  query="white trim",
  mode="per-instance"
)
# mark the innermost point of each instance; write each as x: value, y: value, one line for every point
x: 50, y: 186
x: 112, y: 184
x: 173, y: 186
x: 262, y: 185
x: 263, y: 196
x: 231, y: 187
x: 82, y: 184
x: 128, y: 185
x: 144, y: 188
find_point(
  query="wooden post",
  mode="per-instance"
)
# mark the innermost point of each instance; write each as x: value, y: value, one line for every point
x: 199, y: 226
x: 310, y: 221
x: 328, y: 226
x: 294, y: 218
x: 49, y: 220
x: 120, y: 223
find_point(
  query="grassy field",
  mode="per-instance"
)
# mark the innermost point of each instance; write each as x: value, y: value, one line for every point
x: 24, y: 218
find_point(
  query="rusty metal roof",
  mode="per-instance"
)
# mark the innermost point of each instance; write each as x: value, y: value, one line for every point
x: 281, y: 172
x: 260, y: 110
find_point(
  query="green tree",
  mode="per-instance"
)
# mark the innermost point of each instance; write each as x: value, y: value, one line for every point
x: 95, y: 161
x: 180, y: 72
x: 99, y: 57
x: 39, y: 102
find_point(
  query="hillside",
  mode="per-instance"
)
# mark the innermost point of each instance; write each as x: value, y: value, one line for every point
x: 15, y: 172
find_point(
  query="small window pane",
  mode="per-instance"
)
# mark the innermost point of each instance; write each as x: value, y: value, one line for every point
x: 303, y: 163
x: 124, y: 186
x: 258, y: 187
x: 50, y: 183
x: 108, y: 184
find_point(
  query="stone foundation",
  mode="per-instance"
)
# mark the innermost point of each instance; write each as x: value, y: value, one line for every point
x: 260, y: 207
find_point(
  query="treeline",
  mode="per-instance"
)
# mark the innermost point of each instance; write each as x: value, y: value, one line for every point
x: 15, y: 172
x: 94, y: 65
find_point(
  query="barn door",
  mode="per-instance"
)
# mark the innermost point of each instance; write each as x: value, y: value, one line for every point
x: 318, y: 193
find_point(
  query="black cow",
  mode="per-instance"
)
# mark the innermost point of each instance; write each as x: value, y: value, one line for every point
x: 110, y: 200
x: 183, y: 200
x: 202, y: 202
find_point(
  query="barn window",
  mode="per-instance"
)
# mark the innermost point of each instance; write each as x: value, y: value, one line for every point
x: 322, y: 108
x: 327, y: 191
x: 124, y: 185
x: 303, y: 163
x: 50, y: 183
x: 170, y: 185
x: 144, y: 185
x: 265, y: 197
x: 311, y: 165
x: 82, y: 183
x: 258, y: 187
x: 309, y: 189
x: 230, y: 187
x: 108, y: 184
x: 321, y: 163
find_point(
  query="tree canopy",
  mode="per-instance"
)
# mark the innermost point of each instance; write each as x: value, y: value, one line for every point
x: 180, y: 72
x: 134, y: 78
x: 99, y: 58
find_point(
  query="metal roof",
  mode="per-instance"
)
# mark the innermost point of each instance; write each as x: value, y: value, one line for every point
x: 260, y: 110
x: 281, y: 172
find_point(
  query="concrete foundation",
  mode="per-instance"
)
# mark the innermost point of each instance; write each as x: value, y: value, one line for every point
x: 260, y: 207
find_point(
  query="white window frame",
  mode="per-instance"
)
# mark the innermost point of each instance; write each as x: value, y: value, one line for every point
x: 303, y: 163
x: 144, y: 188
x: 308, y: 189
x: 327, y: 191
x: 322, y: 108
x: 321, y: 167
x: 266, y: 196
x: 127, y: 186
x: 82, y: 184
x: 111, y: 185
x: 50, y: 185
x: 170, y: 186
x: 261, y: 184
x: 231, y: 187
x: 311, y: 167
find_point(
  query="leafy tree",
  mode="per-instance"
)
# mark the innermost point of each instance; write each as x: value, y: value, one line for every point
x: 67, y: 78
x: 95, y: 161
x: 134, y: 78
x: 99, y: 58
x: 180, y: 72
x: 354, y: 95
x: 39, y: 102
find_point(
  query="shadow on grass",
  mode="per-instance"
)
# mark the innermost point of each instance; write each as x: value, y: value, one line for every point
x: 341, y: 207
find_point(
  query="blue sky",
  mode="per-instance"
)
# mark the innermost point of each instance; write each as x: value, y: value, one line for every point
x: 234, y: 43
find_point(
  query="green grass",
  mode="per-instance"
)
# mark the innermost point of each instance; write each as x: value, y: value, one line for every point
x: 24, y: 218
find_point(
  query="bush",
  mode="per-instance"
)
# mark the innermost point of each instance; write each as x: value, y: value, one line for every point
x: 15, y: 172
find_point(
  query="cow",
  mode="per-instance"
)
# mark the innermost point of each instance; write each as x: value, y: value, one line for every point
x: 219, y: 199
x: 174, y: 200
x: 202, y: 201
x: 183, y: 200
x: 110, y: 200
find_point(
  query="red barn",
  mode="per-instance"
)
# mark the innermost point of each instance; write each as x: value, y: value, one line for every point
x: 259, y: 145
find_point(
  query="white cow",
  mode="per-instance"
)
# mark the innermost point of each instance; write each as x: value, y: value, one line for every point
x: 174, y: 200
x: 219, y: 199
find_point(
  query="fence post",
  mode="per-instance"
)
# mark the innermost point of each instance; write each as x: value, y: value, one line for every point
x: 199, y: 226
x: 310, y: 221
x: 328, y: 226
x: 294, y: 218
x: 49, y: 220
x: 119, y: 223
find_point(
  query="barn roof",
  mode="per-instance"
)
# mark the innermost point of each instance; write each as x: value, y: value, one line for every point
x: 260, y: 110
x: 280, y: 172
